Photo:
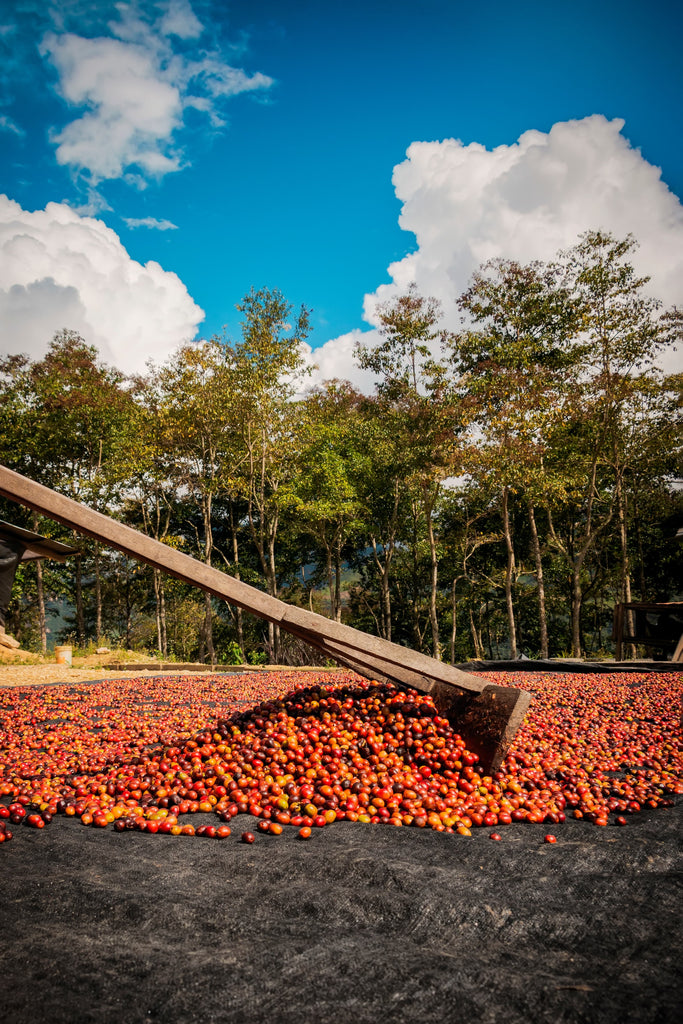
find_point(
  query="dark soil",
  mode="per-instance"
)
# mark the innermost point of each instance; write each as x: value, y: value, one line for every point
x: 359, y: 924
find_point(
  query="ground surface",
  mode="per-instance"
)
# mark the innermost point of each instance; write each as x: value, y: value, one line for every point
x: 39, y: 674
x: 360, y: 924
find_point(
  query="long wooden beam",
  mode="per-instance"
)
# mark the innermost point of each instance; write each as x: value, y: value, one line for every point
x: 488, y: 714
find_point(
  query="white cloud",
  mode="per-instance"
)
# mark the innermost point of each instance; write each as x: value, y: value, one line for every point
x: 467, y: 204
x: 150, y: 222
x: 335, y: 360
x: 133, y: 112
x: 132, y: 89
x: 8, y: 125
x: 222, y: 80
x: 58, y: 269
x: 180, y: 20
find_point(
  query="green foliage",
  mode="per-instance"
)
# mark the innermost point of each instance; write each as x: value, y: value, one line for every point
x: 518, y: 472
x: 232, y: 654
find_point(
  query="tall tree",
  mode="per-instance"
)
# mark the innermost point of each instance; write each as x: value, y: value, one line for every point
x: 153, y: 487
x: 269, y: 368
x: 381, y: 479
x: 468, y: 515
x: 329, y: 504
x: 194, y: 399
x: 511, y: 359
x: 413, y: 384
x: 621, y: 332
x: 76, y: 420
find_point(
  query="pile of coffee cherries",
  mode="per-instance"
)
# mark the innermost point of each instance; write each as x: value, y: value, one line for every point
x: 292, y: 749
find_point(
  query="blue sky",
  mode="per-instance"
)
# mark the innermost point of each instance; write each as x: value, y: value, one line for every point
x: 266, y: 133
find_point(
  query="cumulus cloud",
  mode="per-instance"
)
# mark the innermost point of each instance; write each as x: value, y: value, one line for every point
x: 466, y: 204
x: 335, y: 360
x: 133, y: 111
x: 58, y: 269
x: 132, y: 88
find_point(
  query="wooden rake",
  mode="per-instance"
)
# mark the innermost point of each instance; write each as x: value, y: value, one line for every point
x: 487, y: 716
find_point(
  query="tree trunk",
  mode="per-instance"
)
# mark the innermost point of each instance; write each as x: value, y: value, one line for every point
x: 453, y: 622
x: 333, y: 569
x: 625, y: 561
x: 540, y: 586
x: 208, y: 556
x: 337, y: 583
x: 162, y: 616
x: 273, y: 629
x: 383, y: 566
x: 157, y: 608
x: 80, y: 615
x: 476, y: 639
x: 160, y: 605
x: 128, y: 608
x: 40, y: 594
x: 239, y: 626
x: 509, y: 573
x: 575, y: 561
x: 330, y: 579
x: 388, y: 553
x: 599, y: 606
x: 98, y: 595
x: 239, y: 622
x: 386, y: 602
x: 434, y: 572
x: 208, y: 629
x: 641, y: 560
x: 414, y: 599
x: 487, y: 621
x: 577, y: 597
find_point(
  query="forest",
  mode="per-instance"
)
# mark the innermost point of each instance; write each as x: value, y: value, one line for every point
x: 502, y: 488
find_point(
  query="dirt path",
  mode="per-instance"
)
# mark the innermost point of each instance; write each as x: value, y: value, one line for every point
x: 87, y: 669
x: 47, y: 675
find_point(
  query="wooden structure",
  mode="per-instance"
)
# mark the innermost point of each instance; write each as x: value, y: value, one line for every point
x: 655, y: 624
x: 19, y: 545
x: 34, y: 544
x: 486, y: 716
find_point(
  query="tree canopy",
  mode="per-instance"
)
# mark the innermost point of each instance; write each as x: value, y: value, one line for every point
x: 502, y: 489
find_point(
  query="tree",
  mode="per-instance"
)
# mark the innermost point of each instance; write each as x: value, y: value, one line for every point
x: 468, y: 520
x: 152, y: 494
x: 75, y: 420
x: 329, y: 507
x: 413, y: 384
x: 381, y: 479
x: 193, y: 396
x: 268, y: 367
x: 512, y: 361
x: 620, y: 333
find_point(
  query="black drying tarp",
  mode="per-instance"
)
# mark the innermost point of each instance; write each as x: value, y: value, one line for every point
x: 571, y: 665
x: 361, y: 923
x: 365, y: 924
